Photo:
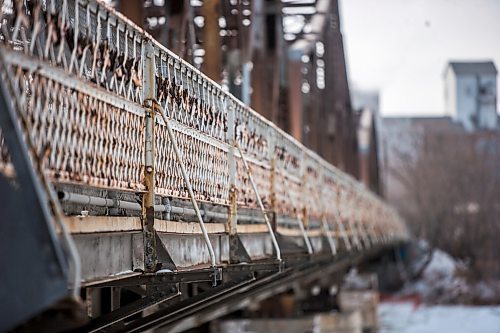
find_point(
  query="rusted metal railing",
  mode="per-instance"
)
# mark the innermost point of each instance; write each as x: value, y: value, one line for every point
x: 81, y: 72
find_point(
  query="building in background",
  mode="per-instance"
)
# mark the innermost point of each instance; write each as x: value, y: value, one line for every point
x: 368, y: 152
x: 366, y: 108
x: 471, y: 94
x: 362, y: 99
x: 403, y: 140
x: 471, y: 120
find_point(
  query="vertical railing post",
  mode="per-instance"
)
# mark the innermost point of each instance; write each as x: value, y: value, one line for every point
x: 340, y: 222
x: 304, y: 220
x: 272, y: 179
x: 362, y: 231
x: 365, y: 232
x: 373, y: 230
x: 148, y: 198
x: 232, y: 221
x: 324, y: 223
x: 352, y: 223
x: 272, y: 195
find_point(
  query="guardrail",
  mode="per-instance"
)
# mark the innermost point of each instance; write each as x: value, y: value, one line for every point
x: 84, y: 78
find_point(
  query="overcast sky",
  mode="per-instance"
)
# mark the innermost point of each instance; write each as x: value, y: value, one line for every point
x: 401, y: 47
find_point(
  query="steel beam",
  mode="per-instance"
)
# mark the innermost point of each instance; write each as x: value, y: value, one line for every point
x: 237, y: 294
x: 161, y: 279
x: 129, y: 310
x: 211, y: 40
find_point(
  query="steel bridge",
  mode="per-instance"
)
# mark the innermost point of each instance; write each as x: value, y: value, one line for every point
x: 126, y: 171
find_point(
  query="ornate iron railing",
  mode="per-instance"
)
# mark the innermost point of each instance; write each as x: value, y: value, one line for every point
x: 79, y: 73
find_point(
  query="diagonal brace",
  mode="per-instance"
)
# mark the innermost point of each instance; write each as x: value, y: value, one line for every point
x: 259, y: 201
x: 178, y: 155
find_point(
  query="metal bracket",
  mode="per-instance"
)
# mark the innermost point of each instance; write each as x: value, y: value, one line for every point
x: 288, y: 246
x: 164, y: 259
x: 216, y: 275
x: 168, y: 208
x: 237, y: 251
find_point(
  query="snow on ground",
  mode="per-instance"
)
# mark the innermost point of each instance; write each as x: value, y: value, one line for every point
x: 405, y: 317
x: 439, y: 282
x: 441, y: 265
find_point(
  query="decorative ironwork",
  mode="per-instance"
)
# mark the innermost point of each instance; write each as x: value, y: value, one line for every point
x: 78, y: 68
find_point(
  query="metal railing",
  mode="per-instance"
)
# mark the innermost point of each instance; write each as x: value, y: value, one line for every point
x: 79, y: 67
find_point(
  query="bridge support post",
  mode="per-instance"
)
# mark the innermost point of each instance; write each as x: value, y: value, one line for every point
x: 148, y: 198
x: 274, y: 217
x: 237, y: 251
x: 232, y: 221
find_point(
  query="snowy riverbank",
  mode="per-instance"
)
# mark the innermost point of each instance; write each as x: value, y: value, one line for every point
x: 406, y: 317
